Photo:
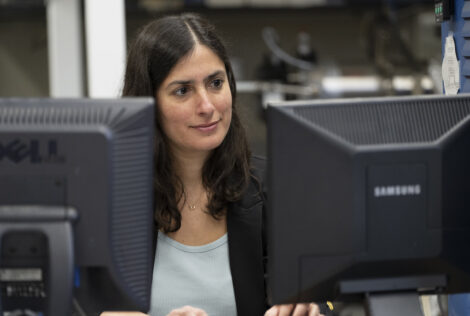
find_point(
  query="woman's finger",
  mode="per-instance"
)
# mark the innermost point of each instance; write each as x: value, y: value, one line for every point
x: 187, y: 311
x: 286, y: 310
x: 301, y: 309
x: 313, y: 310
x: 273, y: 311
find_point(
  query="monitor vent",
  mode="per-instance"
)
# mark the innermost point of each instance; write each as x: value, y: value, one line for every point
x: 132, y: 187
x: 51, y: 115
x: 369, y: 122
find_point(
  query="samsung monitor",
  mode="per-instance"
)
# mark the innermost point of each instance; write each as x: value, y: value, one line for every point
x: 368, y: 196
x: 76, y: 205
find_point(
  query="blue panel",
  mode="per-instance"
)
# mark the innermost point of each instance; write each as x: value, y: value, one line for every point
x: 466, y: 10
x: 465, y: 86
x: 465, y: 31
x: 466, y: 49
x: 459, y: 304
x: 465, y: 67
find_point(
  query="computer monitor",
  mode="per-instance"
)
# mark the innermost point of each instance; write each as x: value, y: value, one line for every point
x: 368, y: 196
x: 76, y: 204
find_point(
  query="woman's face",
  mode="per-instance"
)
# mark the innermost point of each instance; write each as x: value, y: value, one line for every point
x: 195, y: 102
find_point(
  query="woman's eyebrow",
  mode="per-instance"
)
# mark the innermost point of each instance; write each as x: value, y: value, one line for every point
x: 180, y: 82
x: 188, y: 82
x: 215, y: 74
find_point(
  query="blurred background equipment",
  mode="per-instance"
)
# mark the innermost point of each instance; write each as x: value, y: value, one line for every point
x: 393, y: 68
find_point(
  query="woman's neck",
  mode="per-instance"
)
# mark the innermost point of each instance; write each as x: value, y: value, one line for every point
x: 190, y: 173
x: 197, y: 226
x: 189, y: 168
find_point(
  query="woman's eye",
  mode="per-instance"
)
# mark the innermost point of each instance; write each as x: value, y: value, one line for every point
x: 181, y: 91
x: 217, y: 83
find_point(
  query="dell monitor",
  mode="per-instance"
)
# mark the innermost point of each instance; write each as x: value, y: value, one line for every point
x: 76, y: 204
x: 368, y: 196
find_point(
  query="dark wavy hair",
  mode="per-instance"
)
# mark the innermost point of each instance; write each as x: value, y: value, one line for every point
x: 159, y: 46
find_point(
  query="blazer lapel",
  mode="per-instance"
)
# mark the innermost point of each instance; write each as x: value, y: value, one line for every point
x: 244, y: 226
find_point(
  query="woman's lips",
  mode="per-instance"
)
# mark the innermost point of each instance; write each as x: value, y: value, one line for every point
x: 206, y: 127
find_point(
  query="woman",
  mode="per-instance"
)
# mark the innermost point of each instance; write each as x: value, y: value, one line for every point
x: 208, y: 190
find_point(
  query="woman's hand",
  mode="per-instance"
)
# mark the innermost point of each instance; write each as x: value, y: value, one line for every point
x: 303, y: 309
x: 187, y: 311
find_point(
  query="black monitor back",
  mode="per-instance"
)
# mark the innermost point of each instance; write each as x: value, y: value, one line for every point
x: 368, y: 195
x: 94, y: 156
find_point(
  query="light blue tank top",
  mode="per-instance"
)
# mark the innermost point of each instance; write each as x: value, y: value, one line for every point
x: 198, y: 276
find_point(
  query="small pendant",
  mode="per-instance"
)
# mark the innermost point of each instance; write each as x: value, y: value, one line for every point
x: 192, y: 207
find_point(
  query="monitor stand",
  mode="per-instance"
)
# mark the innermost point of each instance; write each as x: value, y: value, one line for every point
x: 55, y: 223
x: 392, y: 304
x: 393, y: 295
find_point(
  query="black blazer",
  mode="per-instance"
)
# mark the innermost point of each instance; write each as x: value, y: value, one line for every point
x: 246, y: 245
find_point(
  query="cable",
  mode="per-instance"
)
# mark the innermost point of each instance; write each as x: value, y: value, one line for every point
x: 78, y: 308
x: 391, y: 16
x: 270, y: 37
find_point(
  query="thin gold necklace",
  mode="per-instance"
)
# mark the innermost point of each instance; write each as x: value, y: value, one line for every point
x: 193, y: 206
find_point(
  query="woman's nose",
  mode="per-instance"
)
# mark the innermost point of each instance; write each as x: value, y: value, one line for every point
x: 205, y: 103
